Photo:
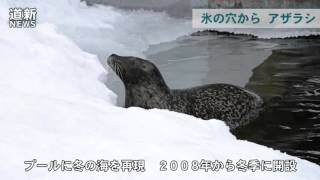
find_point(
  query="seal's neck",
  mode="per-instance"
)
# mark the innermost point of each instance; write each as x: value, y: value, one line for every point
x: 147, y: 95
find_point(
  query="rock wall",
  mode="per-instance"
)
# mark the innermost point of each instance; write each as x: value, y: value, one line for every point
x: 176, y: 8
x: 182, y: 8
x: 264, y: 3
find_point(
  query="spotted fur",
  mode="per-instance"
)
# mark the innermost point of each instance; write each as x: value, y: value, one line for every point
x: 146, y: 88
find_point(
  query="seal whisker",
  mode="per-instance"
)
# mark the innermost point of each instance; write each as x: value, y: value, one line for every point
x: 117, y: 68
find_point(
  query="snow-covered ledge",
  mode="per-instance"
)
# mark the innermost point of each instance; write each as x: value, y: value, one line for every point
x: 53, y: 106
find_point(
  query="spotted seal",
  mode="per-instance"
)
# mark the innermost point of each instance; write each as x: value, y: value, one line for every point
x: 146, y: 88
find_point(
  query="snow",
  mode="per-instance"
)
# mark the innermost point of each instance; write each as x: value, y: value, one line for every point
x: 54, y: 107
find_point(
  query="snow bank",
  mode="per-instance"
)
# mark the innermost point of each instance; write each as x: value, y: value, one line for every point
x: 104, y: 30
x: 53, y: 107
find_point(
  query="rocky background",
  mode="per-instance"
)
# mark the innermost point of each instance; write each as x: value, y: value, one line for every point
x: 182, y: 8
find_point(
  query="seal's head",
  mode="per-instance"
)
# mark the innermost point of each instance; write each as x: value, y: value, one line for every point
x: 137, y: 73
x: 133, y: 70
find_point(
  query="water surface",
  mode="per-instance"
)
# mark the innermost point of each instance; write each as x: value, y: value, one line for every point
x: 285, y: 72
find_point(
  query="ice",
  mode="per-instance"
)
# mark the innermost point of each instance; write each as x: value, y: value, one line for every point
x: 54, y: 107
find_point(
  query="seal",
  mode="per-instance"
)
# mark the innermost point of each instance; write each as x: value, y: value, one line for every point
x: 146, y: 88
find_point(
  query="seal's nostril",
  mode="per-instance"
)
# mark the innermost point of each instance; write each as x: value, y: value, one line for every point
x: 113, y: 58
x: 114, y: 55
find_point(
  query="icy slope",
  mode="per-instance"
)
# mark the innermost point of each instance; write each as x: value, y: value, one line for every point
x: 53, y: 107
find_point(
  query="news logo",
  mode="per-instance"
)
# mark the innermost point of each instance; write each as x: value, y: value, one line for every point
x: 22, y: 17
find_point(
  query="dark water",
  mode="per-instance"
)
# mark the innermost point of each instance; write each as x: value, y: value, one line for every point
x: 286, y: 73
x: 289, y: 80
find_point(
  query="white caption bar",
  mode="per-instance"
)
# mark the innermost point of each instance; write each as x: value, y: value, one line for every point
x: 256, y: 18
